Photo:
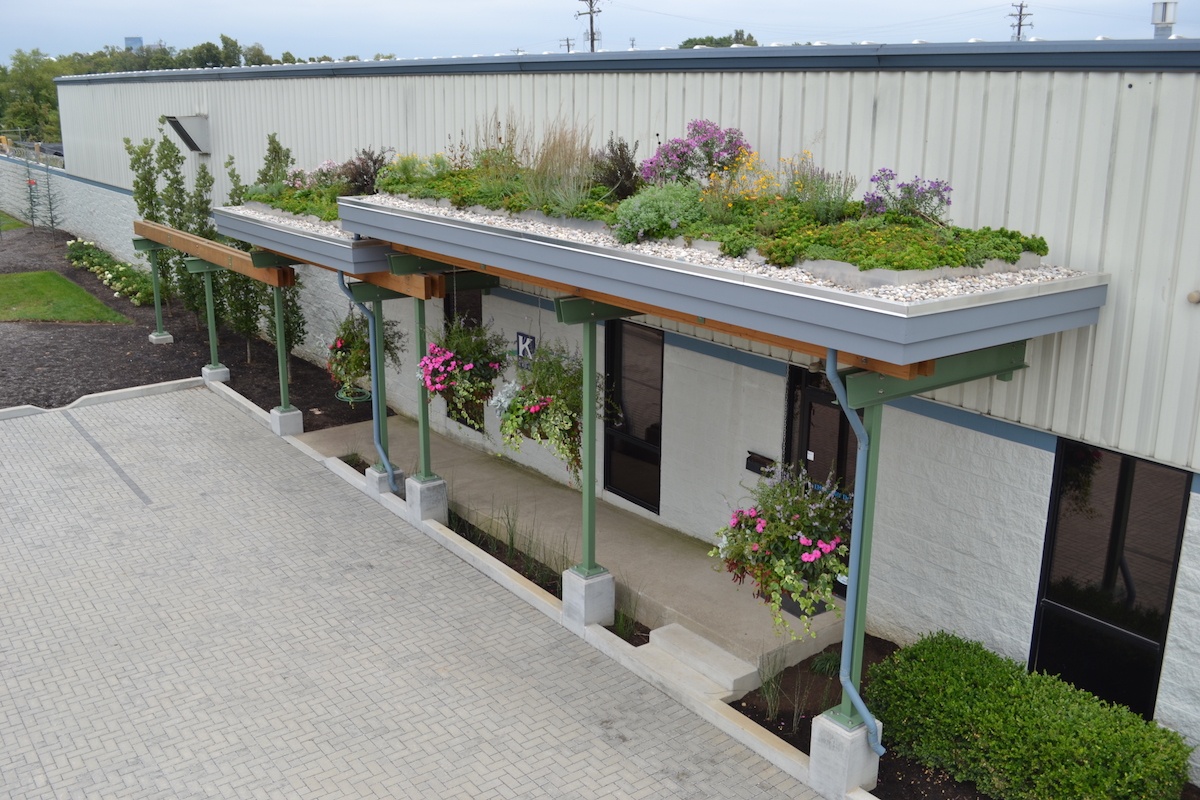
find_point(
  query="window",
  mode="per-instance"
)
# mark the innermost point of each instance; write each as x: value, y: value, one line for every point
x: 819, y: 437
x: 1108, y: 573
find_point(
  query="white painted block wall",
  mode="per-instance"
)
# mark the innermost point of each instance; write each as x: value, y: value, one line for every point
x: 1178, y: 704
x: 86, y: 210
x: 960, y: 523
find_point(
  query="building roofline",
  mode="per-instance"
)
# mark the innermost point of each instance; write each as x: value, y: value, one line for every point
x: 1134, y: 55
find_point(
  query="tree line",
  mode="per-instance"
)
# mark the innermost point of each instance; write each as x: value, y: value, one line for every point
x: 29, y: 99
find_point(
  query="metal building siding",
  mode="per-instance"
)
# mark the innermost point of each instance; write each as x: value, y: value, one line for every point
x: 1100, y: 163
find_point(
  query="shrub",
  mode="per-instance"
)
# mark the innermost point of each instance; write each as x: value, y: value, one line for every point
x: 954, y: 705
x: 615, y: 169
x: 360, y: 172
x: 658, y: 211
x: 823, y: 195
x: 124, y: 279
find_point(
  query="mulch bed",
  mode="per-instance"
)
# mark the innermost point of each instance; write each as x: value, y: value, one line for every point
x: 52, y: 364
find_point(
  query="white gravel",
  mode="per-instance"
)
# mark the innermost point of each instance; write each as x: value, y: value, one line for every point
x: 702, y: 253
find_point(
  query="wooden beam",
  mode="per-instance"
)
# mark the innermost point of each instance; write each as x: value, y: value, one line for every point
x: 903, y: 371
x: 222, y: 255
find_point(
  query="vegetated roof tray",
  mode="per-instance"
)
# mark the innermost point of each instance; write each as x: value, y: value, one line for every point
x: 349, y: 255
x: 894, y: 332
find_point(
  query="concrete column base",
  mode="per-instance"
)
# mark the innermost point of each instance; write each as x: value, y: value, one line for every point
x: 377, y: 481
x: 428, y: 499
x: 841, y: 760
x: 588, y: 600
x: 287, y: 423
x: 161, y: 338
x: 217, y: 374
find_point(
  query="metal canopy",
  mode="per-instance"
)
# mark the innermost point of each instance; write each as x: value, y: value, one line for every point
x: 891, y: 332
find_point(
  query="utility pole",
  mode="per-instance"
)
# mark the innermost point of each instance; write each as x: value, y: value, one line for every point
x: 632, y: 43
x: 567, y: 42
x: 1020, y: 15
x: 591, y: 13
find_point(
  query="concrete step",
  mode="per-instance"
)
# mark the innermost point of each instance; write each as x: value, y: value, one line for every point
x: 727, y: 671
x: 673, y: 676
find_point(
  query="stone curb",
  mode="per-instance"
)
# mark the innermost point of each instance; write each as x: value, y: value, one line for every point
x: 106, y: 397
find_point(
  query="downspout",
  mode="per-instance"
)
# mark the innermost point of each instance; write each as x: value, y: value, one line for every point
x: 376, y: 360
x: 860, y: 473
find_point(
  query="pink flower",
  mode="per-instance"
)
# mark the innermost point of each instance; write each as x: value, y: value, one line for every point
x: 733, y: 521
x: 760, y: 526
x: 468, y: 366
x: 494, y: 365
x: 754, y: 547
x: 804, y: 540
x: 808, y: 558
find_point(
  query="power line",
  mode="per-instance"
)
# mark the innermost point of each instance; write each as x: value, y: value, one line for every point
x: 1020, y: 15
x: 567, y: 42
x: 591, y: 13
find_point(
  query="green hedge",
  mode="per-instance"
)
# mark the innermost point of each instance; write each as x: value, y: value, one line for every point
x: 952, y: 704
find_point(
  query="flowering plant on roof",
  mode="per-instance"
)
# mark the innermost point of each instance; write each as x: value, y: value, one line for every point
x: 791, y: 541
x: 706, y: 149
x: 462, y: 363
x: 920, y: 198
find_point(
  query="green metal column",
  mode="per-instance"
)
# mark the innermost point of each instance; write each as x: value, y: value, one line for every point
x: 872, y: 417
x: 380, y: 385
x: 154, y: 278
x: 588, y: 565
x: 281, y: 350
x: 424, y: 469
x: 212, y: 319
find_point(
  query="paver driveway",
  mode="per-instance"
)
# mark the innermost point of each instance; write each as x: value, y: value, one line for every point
x: 191, y: 608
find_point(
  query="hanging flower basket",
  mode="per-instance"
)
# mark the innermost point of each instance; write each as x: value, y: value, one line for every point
x: 349, y: 359
x: 462, y: 363
x: 545, y: 404
x: 791, y: 541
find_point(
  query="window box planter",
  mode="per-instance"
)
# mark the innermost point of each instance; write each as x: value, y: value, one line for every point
x: 890, y: 331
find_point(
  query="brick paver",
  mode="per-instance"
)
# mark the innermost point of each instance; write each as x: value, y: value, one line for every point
x: 190, y: 608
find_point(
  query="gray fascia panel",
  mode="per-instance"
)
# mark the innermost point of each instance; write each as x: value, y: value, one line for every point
x: 1132, y: 55
x: 354, y: 257
x: 893, y: 332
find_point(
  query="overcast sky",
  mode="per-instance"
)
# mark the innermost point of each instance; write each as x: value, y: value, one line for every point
x: 465, y: 27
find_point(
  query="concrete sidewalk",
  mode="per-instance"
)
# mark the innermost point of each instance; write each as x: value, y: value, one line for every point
x: 193, y: 608
x: 670, y: 574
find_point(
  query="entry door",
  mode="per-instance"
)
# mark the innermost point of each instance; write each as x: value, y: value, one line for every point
x: 1108, y: 575
x: 820, y: 438
x: 633, y: 415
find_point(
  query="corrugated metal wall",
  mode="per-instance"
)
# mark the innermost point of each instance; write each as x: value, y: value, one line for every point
x: 1100, y: 163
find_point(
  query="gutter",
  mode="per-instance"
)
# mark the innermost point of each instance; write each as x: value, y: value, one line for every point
x: 376, y: 360
x: 860, y: 474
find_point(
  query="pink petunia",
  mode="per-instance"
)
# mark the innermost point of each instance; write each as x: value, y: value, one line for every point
x: 760, y: 526
x: 805, y: 541
x: 468, y: 366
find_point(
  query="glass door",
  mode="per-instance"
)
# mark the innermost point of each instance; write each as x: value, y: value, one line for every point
x: 633, y: 413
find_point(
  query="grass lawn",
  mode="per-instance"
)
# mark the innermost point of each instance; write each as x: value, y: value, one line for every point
x: 8, y: 223
x: 49, y: 297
